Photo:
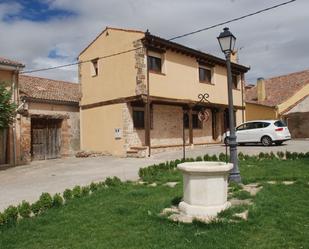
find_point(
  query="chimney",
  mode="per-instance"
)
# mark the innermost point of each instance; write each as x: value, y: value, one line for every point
x: 234, y: 57
x: 261, y: 93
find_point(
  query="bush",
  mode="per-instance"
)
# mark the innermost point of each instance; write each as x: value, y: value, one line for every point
x: 2, y: 219
x: 280, y: 154
x: 115, y: 181
x: 57, y: 200
x: 67, y: 194
x: 207, y: 157
x: 288, y: 155
x: 214, y: 158
x: 85, y: 191
x: 35, y: 208
x: 46, y: 201
x: 177, y: 161
x: 24, y: 209
x: 272, y: 156
x: 261, y: 155
x: 222, y: 157
x: 10, y: 215
x: 199, y: 159
x: 241, y: 156
x: 76, y: 192
x: 294, y: 156
x: 93, y: 187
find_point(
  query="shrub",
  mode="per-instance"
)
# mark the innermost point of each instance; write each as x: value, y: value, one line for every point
x: 85, y: 191
x: 288, y: 155
x: 261, y: 155
x: 207, y: 157
x: 94, y: 187
x: 301, y: 155
x: 46, y: 201
x: 24, y: 209
x: 10, y: 215
x: 222, y: 157
x: 294, y: 156
x: 214, y: 158
x: 307, y: 155
x: 172, y: 165
x: 199, y: 159
x: 241, y: 156
x: 2, y: 219
x: 35, y: 208
x: 272, y: 156
x: 57, y: 200
x: 280, y: 154
x: 177, y: 161
x: 67, y: 194
x: 115, y: 181
x: 76, y: 192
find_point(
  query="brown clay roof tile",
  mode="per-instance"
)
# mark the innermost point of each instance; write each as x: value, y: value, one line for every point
x: 279, y: 89
x: 47, y: 89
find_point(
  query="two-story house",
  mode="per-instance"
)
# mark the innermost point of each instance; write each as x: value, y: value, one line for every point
x: 137, y: 88
x: 9, y: 137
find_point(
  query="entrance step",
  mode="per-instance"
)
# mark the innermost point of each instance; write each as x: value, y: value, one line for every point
x: 137, y: 151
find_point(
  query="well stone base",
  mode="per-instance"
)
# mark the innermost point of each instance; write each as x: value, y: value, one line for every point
x: 202, y: 211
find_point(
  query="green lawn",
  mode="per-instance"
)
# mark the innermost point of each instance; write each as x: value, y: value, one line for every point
x: 126, y: 216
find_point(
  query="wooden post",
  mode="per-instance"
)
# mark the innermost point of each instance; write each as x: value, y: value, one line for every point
x: 190, y: 126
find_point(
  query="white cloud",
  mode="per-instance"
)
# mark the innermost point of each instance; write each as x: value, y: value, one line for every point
x: 272, y: 43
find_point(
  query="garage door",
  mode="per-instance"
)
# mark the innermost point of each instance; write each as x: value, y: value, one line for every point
x: 45, y: 138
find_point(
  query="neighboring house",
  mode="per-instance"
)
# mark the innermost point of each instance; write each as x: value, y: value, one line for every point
x: 49, y: 120
x: 9, y: 71
x: 131, y: 104
x: 284, y: 97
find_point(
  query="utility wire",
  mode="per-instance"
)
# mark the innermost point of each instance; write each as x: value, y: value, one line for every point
x: 171, y: 39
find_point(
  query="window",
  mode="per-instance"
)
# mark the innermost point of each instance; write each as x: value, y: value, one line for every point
x: 138, y: 119
x: 94, y: 67
x: 280, y: 123
x: 235, y: 81
x: 196, y: 123
x: 155, y: 64
x: 204, y: 75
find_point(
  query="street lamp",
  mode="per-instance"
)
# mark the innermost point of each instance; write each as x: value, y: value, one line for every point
x: 227, y: 43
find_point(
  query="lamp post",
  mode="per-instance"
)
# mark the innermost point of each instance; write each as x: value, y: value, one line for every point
x: 227, y: 43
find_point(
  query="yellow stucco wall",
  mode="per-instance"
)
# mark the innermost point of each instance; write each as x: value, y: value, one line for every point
x: 181, y: 80
x: 6, y: 77
x: 117, y: 75
x: 255, y: 112
x: 98, y: 129
x: 295, y: 98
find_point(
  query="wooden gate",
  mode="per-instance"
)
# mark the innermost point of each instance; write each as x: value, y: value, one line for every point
x: 45, y: 139
x: 3, y: 146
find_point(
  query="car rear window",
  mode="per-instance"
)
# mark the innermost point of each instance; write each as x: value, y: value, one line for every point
x: 265, y: 124
x: 280, y: 123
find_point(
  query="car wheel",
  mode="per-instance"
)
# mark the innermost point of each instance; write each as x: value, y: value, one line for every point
x: 278, y: 143
x: 241, y: 144
x: 266, y: 141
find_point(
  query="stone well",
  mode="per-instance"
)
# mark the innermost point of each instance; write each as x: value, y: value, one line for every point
x: 205, y: 188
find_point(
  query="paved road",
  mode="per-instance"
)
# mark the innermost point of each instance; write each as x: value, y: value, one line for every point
x: 28, y: 182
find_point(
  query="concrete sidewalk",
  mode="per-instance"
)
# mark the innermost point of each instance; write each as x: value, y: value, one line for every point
x: 52, y: 176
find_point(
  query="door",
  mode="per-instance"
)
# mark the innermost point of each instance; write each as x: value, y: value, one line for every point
x: 3, y: 146
x: 46, y: 139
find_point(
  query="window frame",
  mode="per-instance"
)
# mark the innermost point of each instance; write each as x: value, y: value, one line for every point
x: 205, y: 81
x: 95, y: 67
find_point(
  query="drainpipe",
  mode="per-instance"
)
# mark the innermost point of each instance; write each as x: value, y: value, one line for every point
x: 14, y: 88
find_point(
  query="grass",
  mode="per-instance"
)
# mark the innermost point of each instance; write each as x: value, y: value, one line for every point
x: 126, y: 216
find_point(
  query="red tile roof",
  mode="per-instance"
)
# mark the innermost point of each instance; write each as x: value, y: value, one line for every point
x: 50, y: 90
x: 279, y: 89
x: 9, y: 62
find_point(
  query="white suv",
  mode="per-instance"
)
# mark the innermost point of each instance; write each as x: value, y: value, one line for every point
x: 261, y: 131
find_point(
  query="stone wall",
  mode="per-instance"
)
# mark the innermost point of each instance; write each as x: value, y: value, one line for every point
x: 141, y: 67
x: 131, y: 135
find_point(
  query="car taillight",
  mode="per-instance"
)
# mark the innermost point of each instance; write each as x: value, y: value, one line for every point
x: 279, y: 129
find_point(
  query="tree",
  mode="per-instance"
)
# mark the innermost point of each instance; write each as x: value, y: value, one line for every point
x: 7, y: 107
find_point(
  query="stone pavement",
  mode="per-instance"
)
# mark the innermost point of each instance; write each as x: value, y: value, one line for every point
x: 29, y: 181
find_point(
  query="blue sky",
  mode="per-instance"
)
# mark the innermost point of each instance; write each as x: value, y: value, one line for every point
x: 37, y: 11
x: 49, y: 33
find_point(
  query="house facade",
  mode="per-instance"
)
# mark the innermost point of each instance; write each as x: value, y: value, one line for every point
x: 9, y: 71
x: 283, y: 97
x: 48, y: 119
x: 139, y: 92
